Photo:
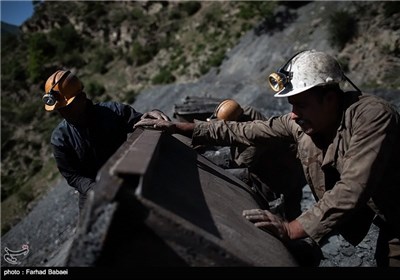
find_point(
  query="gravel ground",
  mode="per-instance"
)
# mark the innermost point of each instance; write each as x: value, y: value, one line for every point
x: 48, y: 229
x: 338, y: 252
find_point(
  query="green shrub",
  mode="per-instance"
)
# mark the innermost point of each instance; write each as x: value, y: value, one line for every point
x: 75, y: 59
x: 214, y: 15
x: 13, y: 75
x: 391, y: 8
x: 391, y: 49
x: 118, y: 17
x: 130, y: 96
x: 163, y: 77
x: 26, y: 112
x: 38, y: 50
x: 190, y: 7
x: 47, y: 123
x: 252, y: 9
x: 143, y: 54
x: 216, y: 59
x: 137, y: 14
x: 94, y: 89
x: 175, y: 15
x: 342, y: 28
x: 65, y: 40
x: 99, y: 60
x: 204, y: 68
x: 25, y: 196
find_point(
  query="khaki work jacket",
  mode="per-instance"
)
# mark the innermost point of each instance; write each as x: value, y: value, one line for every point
x: 360, y: 167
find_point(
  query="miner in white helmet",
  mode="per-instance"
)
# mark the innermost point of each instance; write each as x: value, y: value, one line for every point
x: 89, y: 133
x: 347, y: 142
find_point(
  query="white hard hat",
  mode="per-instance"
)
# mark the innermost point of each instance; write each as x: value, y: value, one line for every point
x: 304, y: 71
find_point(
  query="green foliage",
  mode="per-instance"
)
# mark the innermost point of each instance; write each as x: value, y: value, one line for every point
x: 204, y: 68
x: 175, y: 14
x: 118, y: 17
x: 342, y: 28
x: 175, y: 64
x: 15, y: 206
x: 65, y: 39
x: 48, y: 122
x: 99, y: 59
x: 13, y: 180
x: 95, y: 89
x: 163, y: 77
x: 143, y: 54
x: 190, y: 7
x: 26, y: 195
x: 391, y: 49
x: 68, y: 46
x: 184, y: 9
x: 9, y: 42
x: 93, y: 12
x: 24, y: 113
x: 252, y: 9
x: 137, y: 14
x: 214, y: 17
x: 216, y: 59
x: 130, y: 96
x: 391, y: 8
x: 13, y: 74
x: 38, y: 50
x: 199, y: 48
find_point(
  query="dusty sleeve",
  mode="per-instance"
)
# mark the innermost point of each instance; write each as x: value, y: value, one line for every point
x: 250, y: 113
x: 253, y: 133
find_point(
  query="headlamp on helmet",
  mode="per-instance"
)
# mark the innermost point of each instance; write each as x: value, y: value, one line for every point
x: 305, y: 70
x: 50, y: 97
x: 61, y: 88
x: 281, y: 78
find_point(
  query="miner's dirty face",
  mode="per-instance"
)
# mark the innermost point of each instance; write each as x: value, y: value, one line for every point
x: 315, y: 111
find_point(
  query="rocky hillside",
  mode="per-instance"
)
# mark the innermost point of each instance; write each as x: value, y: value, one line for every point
x: 123, y: 48
x: 117, y: 48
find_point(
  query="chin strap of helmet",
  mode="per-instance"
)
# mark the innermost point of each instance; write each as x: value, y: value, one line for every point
x: 354, y: 86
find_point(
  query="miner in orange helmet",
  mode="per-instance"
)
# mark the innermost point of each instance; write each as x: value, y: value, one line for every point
x: 89, y: 132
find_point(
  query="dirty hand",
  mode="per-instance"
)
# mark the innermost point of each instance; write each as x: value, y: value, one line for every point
x: 163, y: 125
x: 269, y: 222
x: 155, y: 114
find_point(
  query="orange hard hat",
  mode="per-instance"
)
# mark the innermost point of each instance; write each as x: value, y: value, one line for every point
x: 228, y: 110
x: 61, y: 88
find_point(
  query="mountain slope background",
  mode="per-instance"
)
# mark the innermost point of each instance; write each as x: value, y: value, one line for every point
x: 154, y: 54
x: 117, y: 49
